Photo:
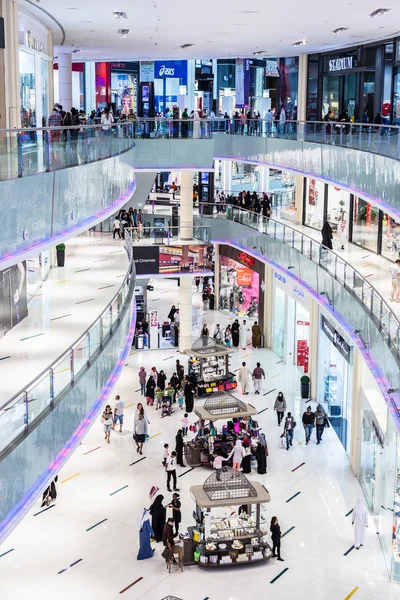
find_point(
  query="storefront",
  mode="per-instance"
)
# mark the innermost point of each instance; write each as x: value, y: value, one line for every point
x: 288, y: 83
x: 291, y: 322
x: 334, y: 378
x: 350, y: 81
x: 203, y: 85
x: 124, y: 86
x: 241, y: 284
x: 34, y: 69
x: 323, y: 202
x: 170, y: 84
x: 38, y: 269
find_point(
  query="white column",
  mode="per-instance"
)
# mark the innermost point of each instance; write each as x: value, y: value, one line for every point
x: 90, y: 87
x: 185, y: 313
x: 10, y: 109
x: 50, y: 73
x: 191, y: 74
x: 302, y: 92
x: 358, y: 367
x: 186, y: 208
x: 215, y: 81
x: 298, y: 198
x: 226, y: 175
x: 313, y: 347
x: 263, y: 179
x: 216, y: 276
x: 65, y: 80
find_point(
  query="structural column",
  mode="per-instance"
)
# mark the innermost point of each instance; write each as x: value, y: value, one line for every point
x: 268, y: 306
x: 313, y: 347
x: 298, y: 198
x: 216, y: 276
x: 302, y: 93
x: 226, y: 175
x: 185, y: 313
x: 356, y: 411
x: 65, y: 80
x: 186, y: 209
x: 263, y: 179
x: 10, y: 111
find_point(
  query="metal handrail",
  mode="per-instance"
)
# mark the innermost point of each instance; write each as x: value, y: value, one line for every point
x: 65, y: 354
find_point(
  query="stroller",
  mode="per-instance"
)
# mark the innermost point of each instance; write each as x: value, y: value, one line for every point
x: 166, y: 409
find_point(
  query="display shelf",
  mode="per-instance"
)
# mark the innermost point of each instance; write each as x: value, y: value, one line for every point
x: 236, y: 537
x: 234, y: 564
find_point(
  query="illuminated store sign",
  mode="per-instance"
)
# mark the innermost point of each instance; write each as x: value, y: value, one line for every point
x: 336, y: 339
x: 245, y: 259
x: 341, y: 64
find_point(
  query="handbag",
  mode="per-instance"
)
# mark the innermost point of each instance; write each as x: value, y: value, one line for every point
x: 326, y: 422
x: 269, y: 212
x: 166, y: 553
x: 102, y: 419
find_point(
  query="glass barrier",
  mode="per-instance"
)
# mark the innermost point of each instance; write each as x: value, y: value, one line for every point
x: 21, y: 411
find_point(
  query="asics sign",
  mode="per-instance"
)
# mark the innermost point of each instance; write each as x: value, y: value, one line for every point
x: 166, y: 72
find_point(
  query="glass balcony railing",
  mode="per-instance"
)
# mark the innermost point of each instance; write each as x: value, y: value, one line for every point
x: 343, y: 289
x: 37, y: 425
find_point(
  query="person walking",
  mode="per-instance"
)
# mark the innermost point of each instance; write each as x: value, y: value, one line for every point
x: 204, y: 335
x: 327, y: 235
x: 189, y: 395
x: 235, y: 333
x: 289, y: 426
x: 141, y: 430
x: 244, y: 378
x: 256, y: 335
x: 140, y: 411
x: 179, y: 446
x: 158, y: 513
x: 161, y: 380
x: 261, y: 455
x: 170, y: 468
x: 142, y: 380
x: 118, y: 413
x: 150, y: 388
x: 258, y: 374
x: 107, y: 420
x: 217, y: 335
x: 276, y: 538
x: 395, y: 273
x: 280, y: 407
x: 145, y: 535
x: 243, y: 335
x: 176, y: 511
x: 308, y: 423
x: 228, y: 336
x: 116, y: 228
x: 320, y: 420
x: 237, y: 453
x: 360, y: 521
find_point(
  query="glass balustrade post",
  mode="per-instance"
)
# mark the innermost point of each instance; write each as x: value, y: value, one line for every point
x: 398, y: 144
x: 275, y: 230
x: 101, y: 332
x: 341, y: 135
x: 379, y: 138
x: 389, y: 319
x: 284, y: 233
x: 359, y: 135
x: 118, y: 132
x: 26, y: 413
x: 302, y: 245
x: 324, y: 133
x: 51, y: 373
x: 380, y: 313
x: 351, y: 134
x: 344, y: 274
x: 19, y: 151
x: 362, y: 291
x: 369, y: 136
x: 86, y: 144
x: 320, y: 255
x: 335, y: 266
x: 72, y: 365
x: 292, y: 238
x: 354, y: 280
x: 310, y: 249
x: 331, y: 134
x: 47, y: 150
x: 372, y: 304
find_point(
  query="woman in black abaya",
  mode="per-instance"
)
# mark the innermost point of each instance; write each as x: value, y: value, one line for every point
x: 189, y: 395
x: 150, y: 387
x: 158, y: 513
x: 261, y: 455
x: 235, y: 333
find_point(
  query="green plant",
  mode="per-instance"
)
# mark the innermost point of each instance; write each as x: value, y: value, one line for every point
x: 60, y: 247
x: 305, y: 379
x: 362, y: 212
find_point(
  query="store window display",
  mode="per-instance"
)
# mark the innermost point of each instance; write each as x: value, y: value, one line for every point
x: 365, y: 224
x: 27, y: 89
x: 315, y: 199
x: 278, y: 324
x: 390, y: 238
x: 239, y: 288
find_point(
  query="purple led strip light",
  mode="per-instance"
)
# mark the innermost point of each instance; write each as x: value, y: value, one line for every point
x: 373, y: 366
x: 23, y: 506
x: 86, y: 223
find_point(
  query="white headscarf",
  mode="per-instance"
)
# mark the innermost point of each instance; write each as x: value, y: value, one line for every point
x: 141, y: 521
x: 360, y: 511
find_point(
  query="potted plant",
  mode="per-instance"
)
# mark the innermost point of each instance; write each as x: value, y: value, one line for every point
x: 60, y: 255
x: 305, y: 386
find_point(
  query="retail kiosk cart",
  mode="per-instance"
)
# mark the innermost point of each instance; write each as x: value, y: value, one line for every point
x: 209, y: 360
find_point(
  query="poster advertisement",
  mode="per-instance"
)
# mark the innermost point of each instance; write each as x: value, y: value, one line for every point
x: 244, y: 276
x: 13, y: 297
x: 312, y: 193
x: 146, y: 71
x: 239, y: 83
x: 302, y: 335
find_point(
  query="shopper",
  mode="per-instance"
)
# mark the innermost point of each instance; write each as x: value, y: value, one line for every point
x: 161, y: 379
x: 168, y: 533
x: 276, y: 538
x: 118, y: 413
x: 244, y: 379
x: 174, y: 383
x: 359, y: 519
x: 320, y: 422
x: 145, y: 535
x: 235, y: 333
x: 50, y: 493
x: 116, y: 228
x: 179, y: 447
x: 217, y: 333
x: 327, y: 235
x: 142, y: 380
x: 217, y: 465
x: 165, y: 454
x: 185, y: 424
x: 170, y: 467
x: 204, y: 335
x: 150, y: 387
x: 180, y: 397
x: 197, y: 283
x: 189, y: 395
x: 176, y: 511
x: 141, y: 430
x: 261, y: 455
x: 228, y: 336
x: 140, y: 411
x: 237, y: 453
x: 171, y: 314
x: 243, y: 335
x: 180, y: 371
x: 395, y: 273
x: 258, y: 374
x: 308, y: 423
x: 280, y: 407
x: 256, y: 335
x: 107, y: 420
x: 158, y: 397
x: 288, y: 429
x: 224, y: 446
x: 246, y: 462
x: 158, y: 513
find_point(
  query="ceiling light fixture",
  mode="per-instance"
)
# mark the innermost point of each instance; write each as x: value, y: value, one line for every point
x: 76, y: 51
x: 120, y: 15
x: 123, y: 32
x: 259, y: 52
x: 300, y: 43
x: 340, y: 29
x: 379, y: 12
x: 184, y: 46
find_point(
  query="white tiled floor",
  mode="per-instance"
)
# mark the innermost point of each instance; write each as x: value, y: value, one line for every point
x: 45, y: 544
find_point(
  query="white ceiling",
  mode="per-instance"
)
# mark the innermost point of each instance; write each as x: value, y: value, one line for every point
x: 217, y: 28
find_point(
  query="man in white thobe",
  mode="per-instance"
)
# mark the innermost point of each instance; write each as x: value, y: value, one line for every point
x: 360, y: 522
x: 243, y: 335
x: 244, y: 378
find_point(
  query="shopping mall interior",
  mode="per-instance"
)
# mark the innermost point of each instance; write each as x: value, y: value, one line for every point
x: 225, y: 391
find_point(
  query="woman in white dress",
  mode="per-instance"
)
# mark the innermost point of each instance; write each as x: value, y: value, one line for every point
x: 360, y: 522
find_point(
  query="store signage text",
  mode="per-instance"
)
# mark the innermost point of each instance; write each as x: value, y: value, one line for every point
x: 33, y: 43
x: 245, y: 259
x: 341, y: 64
x: 280, y: 277
x: 166, y: 72
x: 298, y: 292
x: 336, y: 339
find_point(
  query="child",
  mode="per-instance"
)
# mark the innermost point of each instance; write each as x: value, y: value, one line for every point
x: 217, y: 465
x: 185, y: 424
x: 165, y: 454
x: 169, y: 393
x: 159, y: 398
x: 180, y: 396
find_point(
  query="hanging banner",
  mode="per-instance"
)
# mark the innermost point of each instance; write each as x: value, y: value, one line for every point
x: 239, y: 78
x: 246, y: 81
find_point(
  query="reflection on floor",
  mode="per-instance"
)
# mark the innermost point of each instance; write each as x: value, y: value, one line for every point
x: 86, y: 545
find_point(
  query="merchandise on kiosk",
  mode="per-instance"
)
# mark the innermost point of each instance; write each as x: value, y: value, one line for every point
x: 209, y: 360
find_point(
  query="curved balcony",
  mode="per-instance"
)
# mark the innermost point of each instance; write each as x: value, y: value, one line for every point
x: 332, y: 281
x: 43, y: 423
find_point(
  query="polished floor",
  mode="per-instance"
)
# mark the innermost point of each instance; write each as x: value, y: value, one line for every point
x: 86, y: 545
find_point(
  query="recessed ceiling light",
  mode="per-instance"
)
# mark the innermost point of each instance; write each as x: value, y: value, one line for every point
x: 258, y: 52
x: 123, y: 32
x: 120, y: 15
x: 76, y: 51
x: 72, y: 8
x: 300, y: 43
x: 249, y: 12
x: 340, y: 29
x: 186, y: 46
x: 86, y: 21
x: 379, y: 12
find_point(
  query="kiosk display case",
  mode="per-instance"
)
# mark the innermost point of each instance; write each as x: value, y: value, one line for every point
x: 209, y: 360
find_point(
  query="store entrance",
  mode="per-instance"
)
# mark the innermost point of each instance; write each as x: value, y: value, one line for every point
x: 339, y: 95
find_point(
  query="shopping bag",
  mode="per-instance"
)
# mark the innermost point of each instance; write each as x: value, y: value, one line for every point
x: 282, y: 442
